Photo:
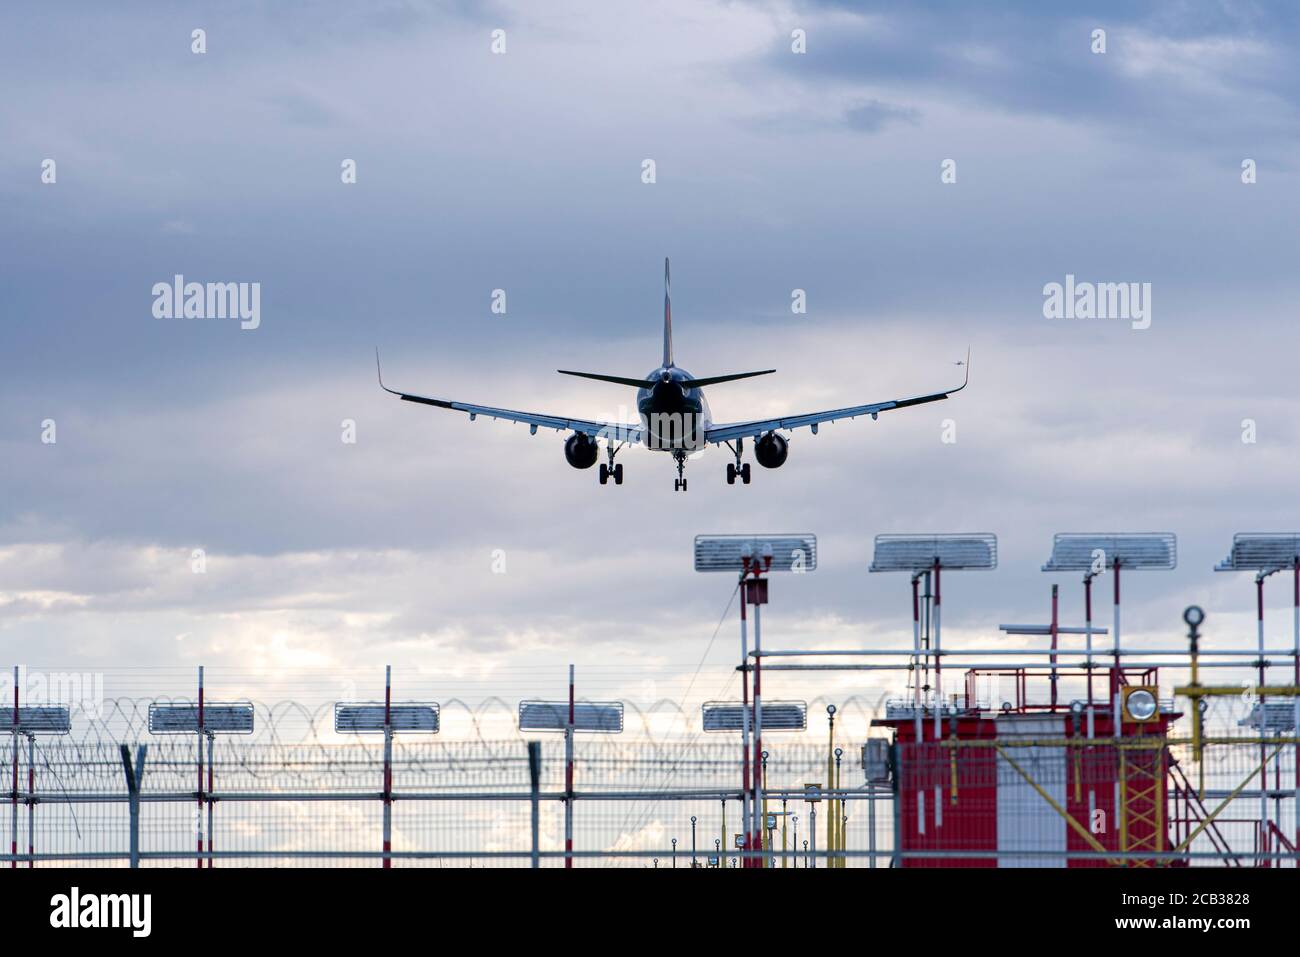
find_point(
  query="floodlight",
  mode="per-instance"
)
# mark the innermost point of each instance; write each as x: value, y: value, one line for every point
x: 599, y: 716
x: 1073, y: 551
x: 218, y: 718
x: 740, y: 553
x: 37, y: 719
x: 367, y: 717
x: 917, y: 553
x: 1261, y: 552
x: 1140, y: 703
x: 777, y: 716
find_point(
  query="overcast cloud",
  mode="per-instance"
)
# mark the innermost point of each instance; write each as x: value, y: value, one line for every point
x: 522, y: 171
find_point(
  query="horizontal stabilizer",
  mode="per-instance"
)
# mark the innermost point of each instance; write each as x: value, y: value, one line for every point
x: 617, y: 379
x: 714, y: 380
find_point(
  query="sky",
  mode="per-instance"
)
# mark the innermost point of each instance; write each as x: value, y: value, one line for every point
x: 522, y: 170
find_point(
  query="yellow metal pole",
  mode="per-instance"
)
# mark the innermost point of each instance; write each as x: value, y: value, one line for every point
x: 722, y: 845
x: 1123, y: 802
x: 839, y: 815
x: 830, y: 776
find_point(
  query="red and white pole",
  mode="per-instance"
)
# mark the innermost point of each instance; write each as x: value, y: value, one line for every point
x: 388, y: 766
x: 13, y: 849
x: 744, y: 714
x: 1055, y: 633
x: 916, y: 656
x: 1295, y: 649
x: 938, y: 674
x: 758, y: 731
x: 568, y: 779
x: 1114, y: 671
x: 31, y: 800
x: 1263, y: 723
x: 198, y: 820
x: 1087, y: 629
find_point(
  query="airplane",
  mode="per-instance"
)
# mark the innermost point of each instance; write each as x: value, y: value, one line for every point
x: 674, y: 417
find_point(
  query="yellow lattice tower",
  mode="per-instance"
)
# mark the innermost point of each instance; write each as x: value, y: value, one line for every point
x: 1142, y: 801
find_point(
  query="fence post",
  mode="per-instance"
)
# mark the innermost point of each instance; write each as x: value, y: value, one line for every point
x: 535, y: 780
x: 896, y: 758
x: 134, y: 777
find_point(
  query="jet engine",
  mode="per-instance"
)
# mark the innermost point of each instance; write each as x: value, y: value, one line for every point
x: 580, y: 450
x: 771, y: 451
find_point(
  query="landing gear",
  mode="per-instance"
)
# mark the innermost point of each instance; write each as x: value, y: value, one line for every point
x: 611, y: 470
x: 680, y: 484
x: 733, y: 472
x: 737, y: 469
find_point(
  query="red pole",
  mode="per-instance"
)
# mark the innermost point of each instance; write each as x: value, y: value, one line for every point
x: 1087, y: 617
x: 756, y: 816
x: 1263, y: 748
x: 568, y: 781
x: 1116, y: 720
x: 1055, y: 625
x: 13, y: 864
x: 199, y: 840
x: 388, y: 765
x: 935, y: 645
x: 917, y: 731
x: 746, y: 723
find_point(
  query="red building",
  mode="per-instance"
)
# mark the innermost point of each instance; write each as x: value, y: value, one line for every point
x: 1021, y: 784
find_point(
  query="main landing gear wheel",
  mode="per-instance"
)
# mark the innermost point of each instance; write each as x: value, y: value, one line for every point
x: 737, y: 469
x: 610, y: 470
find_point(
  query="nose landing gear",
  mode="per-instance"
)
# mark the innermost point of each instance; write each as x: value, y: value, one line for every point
x: 679, y: 485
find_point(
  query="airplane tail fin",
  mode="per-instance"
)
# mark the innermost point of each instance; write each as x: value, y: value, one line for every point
x: 668, y: 317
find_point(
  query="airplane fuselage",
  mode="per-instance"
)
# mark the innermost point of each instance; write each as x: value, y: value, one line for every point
x: 674, y: 415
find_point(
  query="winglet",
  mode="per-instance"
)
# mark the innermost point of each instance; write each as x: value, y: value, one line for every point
x: 668, y: 317
x: 380, y: 372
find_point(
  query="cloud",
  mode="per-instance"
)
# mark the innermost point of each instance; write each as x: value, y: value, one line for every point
x: 872, y: 116
x: 477, y: 172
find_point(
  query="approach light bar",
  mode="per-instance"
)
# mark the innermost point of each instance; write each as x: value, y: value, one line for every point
x: 218, y: 718
x: 37, y: 719
x: 1073, y: 551
x: 917, y: 553
x: 1277, y: 717
x: 727, y: 553
x: 1260, y: 552
x: 1047, y: 630
x: 777, y: 716
x: 367, y: 717
x: 601, y: 716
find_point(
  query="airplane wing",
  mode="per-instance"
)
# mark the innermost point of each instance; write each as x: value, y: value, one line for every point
x: 611, y: 431
x: 739, y: 430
